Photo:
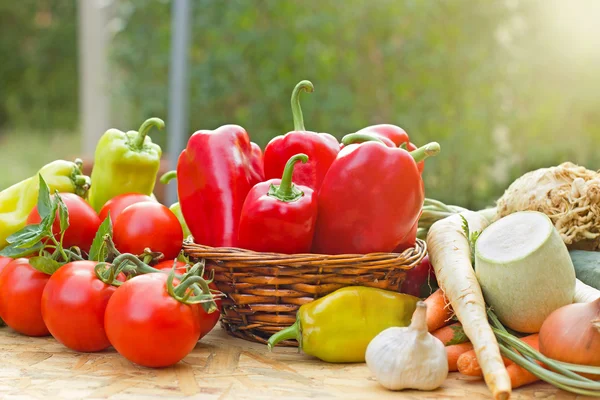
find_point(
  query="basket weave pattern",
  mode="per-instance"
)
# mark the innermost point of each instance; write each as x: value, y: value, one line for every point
x: 264, y: 290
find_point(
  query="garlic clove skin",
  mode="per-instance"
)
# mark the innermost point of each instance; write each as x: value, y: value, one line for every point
x: 408, y: 358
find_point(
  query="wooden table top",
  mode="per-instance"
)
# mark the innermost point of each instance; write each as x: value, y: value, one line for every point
x: 220, y: 367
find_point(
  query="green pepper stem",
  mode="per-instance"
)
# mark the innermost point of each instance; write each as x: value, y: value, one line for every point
x: 168, y: 177
x: 291, y: 332
x: 430, y: 149
x: 143, y: 131
x: 286, y: 190
x: 308, y: 87
x: 359, y: 138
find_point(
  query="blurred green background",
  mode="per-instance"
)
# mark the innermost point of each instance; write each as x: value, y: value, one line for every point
x: 504, y: 86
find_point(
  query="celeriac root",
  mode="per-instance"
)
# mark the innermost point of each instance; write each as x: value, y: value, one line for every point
x: 569, y: 194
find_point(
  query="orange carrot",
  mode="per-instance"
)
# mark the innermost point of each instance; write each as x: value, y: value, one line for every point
x: 468, y: 365
x: 438, y: 311
x: 519, y: 376
x: 453, y: 352
x: 451, y: 334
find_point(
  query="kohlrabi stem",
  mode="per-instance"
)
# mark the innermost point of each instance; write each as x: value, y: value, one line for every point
x: 138, y: 142
x: 308, y: 87
x: 359, y: 138
x: 291, y: 332
x: 286, y: 190
x: 430, y: 149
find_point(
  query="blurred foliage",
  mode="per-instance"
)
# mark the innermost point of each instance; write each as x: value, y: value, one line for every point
x: 39, y: 64
x: 24, y: 152
x: 482, y: 78
x: 504, y: 86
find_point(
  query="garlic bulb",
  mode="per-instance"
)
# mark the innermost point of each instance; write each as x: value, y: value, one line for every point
x: 408, y: 358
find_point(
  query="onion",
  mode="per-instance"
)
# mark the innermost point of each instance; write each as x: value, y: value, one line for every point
x: 572, y: 334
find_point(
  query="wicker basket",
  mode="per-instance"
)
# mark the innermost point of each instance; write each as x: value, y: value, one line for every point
x: 264, y: 290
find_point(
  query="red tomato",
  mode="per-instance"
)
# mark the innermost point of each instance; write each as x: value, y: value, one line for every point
x: 148, y: 326
x: 4, y: 262
x: 207, y: 321
x: 167, y: 265
x: 73, y: 306
x: 148, y: 224
x: 21, y: 288
x: 116, y: 205
x: 83, y: 220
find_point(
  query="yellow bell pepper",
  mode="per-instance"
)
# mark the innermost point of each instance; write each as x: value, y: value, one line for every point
x: 337, y: 328
x: 17, y: 201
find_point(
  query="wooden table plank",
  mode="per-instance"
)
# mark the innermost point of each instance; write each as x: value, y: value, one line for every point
x: 220, y: 367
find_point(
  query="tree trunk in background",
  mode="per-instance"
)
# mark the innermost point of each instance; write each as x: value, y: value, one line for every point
x: 93, y: 72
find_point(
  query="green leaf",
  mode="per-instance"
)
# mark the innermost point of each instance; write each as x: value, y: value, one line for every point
x: 15, y: 252
x: 48, y: 220
x: 63, y: 214
x: 471, y: 238
x: 98, y: 251
x: 458, y: 335
x: 45, y: 264
x: 465, y: 227
x: 26, y: 233
x: 45, y: 229
x: 44, y: 203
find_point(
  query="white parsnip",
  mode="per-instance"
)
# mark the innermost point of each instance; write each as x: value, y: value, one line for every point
x: 450, y: 255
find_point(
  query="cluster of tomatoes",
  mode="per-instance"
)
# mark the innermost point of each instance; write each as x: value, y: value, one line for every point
x: 138, y: 315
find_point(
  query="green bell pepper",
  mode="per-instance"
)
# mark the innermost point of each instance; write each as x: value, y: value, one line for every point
x: 125, y: 162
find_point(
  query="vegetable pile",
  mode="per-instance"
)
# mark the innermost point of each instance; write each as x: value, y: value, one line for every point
x: 509, y: 294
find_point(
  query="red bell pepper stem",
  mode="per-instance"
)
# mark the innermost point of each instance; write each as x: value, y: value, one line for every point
x: 308, y: 87
x: 286, y: 190
x: 430, y: 149
x: 138, y: 142
x: 168, y: 177
x: 359, y: 138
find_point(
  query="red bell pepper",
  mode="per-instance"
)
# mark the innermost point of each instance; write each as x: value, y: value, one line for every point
x: 371, y: 197
x: 279, y: 216
x: 321, y: 148
x: 420, y: 281
x: 392, y: 136
x: 215, y: 173
x: 257, y: 159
